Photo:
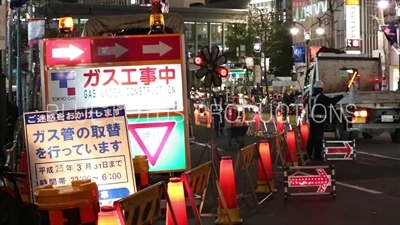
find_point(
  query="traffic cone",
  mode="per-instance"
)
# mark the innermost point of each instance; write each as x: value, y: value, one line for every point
x: 258, y: 125
x: 377, y: 85
x: 208, y: 119
x: 196, y: 117
x: 228, y: 189
x: 176, y: 195
x: 304, y: 136
x: 265, y: 184
x: 384, y: 84
x: 23, y: 168
x: 291, y: 152
x: 231, y: 117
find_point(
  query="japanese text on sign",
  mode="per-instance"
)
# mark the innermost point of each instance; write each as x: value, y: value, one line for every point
x: 64, y: 147
x: 139, y: 87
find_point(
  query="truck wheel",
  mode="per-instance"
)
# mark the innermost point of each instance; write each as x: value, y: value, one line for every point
x: 340, y: 132
x: 395, y: 136
x: 366, y: 136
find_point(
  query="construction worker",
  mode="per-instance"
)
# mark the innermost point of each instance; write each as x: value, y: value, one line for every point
x: 318, y: 105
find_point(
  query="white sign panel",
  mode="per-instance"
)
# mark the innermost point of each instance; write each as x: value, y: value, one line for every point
x: 143, y: 89
x: 64, y: 146
x: 352, y: 22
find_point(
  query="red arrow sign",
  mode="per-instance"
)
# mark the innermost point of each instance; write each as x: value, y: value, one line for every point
x: 347, y: 150
x: 67, y: 51
x: 153, y: 157
x: 136, y: 48
x: 322, y: 180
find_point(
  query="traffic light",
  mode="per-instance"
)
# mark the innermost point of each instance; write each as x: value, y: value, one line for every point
x: 294, y: 76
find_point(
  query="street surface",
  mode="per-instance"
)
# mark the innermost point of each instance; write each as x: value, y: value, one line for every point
x: 368, y: 190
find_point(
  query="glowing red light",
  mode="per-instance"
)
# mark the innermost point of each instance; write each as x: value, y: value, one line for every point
x: 222, y: 71
x: 198, y: 61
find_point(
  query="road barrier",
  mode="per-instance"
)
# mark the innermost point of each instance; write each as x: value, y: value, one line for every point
x: 244, y: 160
x: 144, y: 206
x: 308, y: 184
x: 340, y: 150
x: 196, y: 182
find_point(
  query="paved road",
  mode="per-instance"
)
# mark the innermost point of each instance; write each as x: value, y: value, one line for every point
x: 368, y: 190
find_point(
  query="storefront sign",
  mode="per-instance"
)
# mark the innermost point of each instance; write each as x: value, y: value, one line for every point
x: 69, y: 145
x: 302, y: 11
x: 162, y: 139
x: 353, y: 22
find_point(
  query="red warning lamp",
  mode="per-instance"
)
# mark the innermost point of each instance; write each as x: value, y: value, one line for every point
x: 291, y: 154
x: 222, y: 71
x: 176, y: 194
x: 199, y: 61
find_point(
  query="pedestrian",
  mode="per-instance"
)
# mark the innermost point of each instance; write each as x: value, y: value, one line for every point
x: 317, y: 112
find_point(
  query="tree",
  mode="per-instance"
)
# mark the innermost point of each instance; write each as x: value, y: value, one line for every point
x: 274, y: 36
x: 329, y: 18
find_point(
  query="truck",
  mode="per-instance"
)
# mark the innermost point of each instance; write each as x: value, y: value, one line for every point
x: 366, y: 109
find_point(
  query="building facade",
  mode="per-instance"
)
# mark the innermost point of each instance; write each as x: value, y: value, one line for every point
x: 173, y: 3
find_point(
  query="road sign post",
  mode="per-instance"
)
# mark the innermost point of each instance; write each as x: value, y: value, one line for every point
x: 306, y: 184
x: 146, y: 73
x: 340, y: 150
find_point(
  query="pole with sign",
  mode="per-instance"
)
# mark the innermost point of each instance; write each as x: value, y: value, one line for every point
x: 146, y: 75
x: 81, y: 144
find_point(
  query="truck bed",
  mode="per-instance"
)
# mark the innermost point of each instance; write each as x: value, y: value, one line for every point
x: 373, y: 99
x: 330, y: 72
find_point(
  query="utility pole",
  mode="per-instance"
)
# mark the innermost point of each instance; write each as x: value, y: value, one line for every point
x: 18, y: 62
x: 10, y: 23
x: 3, y: 89
x: 30, y: 65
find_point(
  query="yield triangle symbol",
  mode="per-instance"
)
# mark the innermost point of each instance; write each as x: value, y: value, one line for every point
x: 144, y: 142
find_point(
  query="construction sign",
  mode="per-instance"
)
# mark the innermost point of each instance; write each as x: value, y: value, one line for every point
x: 146, y: 73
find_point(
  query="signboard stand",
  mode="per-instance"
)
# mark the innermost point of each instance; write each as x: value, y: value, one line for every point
x: 196, y: 182
x: 244, y: 160
x: 305, y: 184
x: 145, y: 204
x: 280, y: 146
x: 211, y: 149
x: 340, y: 150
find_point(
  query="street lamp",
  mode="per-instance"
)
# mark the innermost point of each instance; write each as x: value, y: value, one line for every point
x: 257, y: 43
x: 307, y: 36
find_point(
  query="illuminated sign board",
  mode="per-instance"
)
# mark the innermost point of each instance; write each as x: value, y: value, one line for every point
x: 79, y: 144
x: 146, y: 73
x: 160, y: 138
x: 138, y: 87
x: 353, y: 25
